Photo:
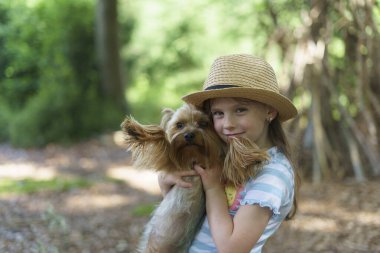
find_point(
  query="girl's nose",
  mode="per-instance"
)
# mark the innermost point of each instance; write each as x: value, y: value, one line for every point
x: 228, y: 122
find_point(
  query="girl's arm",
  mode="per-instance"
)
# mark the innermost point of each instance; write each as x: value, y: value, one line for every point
x: 231, y: 235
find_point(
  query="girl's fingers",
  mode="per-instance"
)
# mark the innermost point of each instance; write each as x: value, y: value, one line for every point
x: 210, y: 177
x: 167, y: 180
x: 183, y: 184
x: 199, y: 169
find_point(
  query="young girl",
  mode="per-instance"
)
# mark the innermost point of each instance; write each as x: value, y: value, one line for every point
x: 242, y: 96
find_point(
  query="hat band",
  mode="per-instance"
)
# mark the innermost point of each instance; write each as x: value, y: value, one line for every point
x: 221, y: 86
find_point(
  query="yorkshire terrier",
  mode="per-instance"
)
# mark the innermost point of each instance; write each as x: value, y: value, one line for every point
x: 185, y: 137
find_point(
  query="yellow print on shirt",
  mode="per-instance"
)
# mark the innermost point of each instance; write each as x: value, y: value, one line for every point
x: 234, y: 196
x: 230, y: 193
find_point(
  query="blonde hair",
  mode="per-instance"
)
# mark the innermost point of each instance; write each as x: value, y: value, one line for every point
x: 277, y: 136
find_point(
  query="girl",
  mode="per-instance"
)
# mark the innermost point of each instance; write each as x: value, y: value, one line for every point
x: 243, y: 99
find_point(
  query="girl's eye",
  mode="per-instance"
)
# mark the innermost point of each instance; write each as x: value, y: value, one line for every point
x: 180, y: 125
x: 217, y: 114
x: 242, y: 109
x: 203, y: 124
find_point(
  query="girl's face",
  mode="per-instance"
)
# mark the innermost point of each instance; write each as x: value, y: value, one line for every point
x: 242, y: 118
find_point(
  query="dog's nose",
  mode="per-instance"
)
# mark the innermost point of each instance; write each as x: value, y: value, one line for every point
x: 189, y: 137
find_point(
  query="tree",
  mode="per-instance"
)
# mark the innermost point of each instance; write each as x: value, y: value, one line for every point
x: 343, y: 114
x: 107, y: 45
x: 49, y: 79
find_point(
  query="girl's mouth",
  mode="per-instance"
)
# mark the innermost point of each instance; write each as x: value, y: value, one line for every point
x: 233, y: 135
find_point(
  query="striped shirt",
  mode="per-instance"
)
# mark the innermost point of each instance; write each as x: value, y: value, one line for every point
x: 273, y: 188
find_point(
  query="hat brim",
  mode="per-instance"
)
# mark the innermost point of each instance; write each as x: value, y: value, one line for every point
x: 282, y: 104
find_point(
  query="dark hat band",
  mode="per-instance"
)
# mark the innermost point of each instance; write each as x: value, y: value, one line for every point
x: 221, y: 86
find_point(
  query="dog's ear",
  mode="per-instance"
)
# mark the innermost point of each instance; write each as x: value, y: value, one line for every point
x: 167, y: 114
x: 244, y: 160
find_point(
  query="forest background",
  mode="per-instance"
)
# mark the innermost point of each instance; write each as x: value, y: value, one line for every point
x: 70, y: 70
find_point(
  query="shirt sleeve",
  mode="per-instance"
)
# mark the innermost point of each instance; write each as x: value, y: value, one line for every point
x: 272, y: 188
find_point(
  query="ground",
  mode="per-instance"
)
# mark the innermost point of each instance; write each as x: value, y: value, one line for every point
x: 107, y: 214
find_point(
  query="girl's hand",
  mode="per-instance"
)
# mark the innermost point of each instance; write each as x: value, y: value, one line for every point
x: 211, y: 178
x: 167, y: 180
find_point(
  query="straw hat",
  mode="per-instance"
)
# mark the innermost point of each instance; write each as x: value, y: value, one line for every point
x: 243, y: 76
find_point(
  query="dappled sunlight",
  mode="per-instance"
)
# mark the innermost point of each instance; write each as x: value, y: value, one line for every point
x: 321, y: 209
x: 323, y: 216
x: 357, y: 217
x: 145, y: 180
x: 80, y: 203
x: 332, y: 217
x: 26, y: 170
x: 313, y: 217
x: 367, y: 218
x: 118, y: 138
x: 314, y: 224
x: 313, y: 206
x: 87, y: 163
x: 119, y: 197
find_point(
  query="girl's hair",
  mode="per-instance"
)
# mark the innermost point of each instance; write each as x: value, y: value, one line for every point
x: 277, y: 136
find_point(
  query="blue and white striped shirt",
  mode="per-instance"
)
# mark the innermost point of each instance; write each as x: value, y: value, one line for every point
x: 273, y: 187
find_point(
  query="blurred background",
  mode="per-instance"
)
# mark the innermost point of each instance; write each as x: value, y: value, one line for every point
x: 71, y: 70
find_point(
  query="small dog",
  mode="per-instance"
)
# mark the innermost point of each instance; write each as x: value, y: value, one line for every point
x: 185, y: 137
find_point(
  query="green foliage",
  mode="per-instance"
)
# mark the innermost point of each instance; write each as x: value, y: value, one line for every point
x: 168, y: 65
x: 143, y: 210
x: 54, y: 220
x: 4, y: 121
x: 56, y: 223
x: 174, y: 45
x: 43, y: 248
x: 28, y: 186
x: 49, y: 82
x: 61, y: 115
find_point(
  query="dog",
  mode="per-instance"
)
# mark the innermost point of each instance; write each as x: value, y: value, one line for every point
x: 185, y: 137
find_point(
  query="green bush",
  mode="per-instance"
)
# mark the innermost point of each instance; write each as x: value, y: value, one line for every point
x: 29, y: 186
x: 49, y: 81
x: 4, y: 122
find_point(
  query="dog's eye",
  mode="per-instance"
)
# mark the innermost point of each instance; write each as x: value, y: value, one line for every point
x: 180, y: 125
x: 203, y: 124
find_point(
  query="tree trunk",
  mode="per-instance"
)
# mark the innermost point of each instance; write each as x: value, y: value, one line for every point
x: 341, y: 126
x: 316, y: 49
x: 108, y: 52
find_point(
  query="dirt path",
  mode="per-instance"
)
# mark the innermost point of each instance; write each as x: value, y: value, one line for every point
x: 109, y: 214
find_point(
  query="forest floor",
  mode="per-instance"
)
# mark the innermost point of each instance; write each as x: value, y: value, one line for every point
x: 97, y: 202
